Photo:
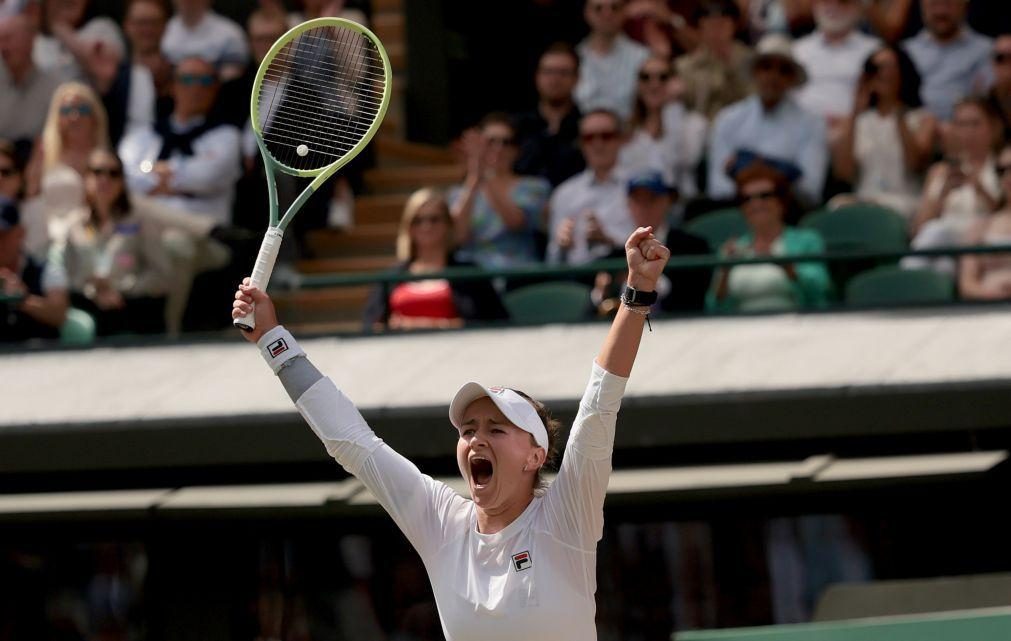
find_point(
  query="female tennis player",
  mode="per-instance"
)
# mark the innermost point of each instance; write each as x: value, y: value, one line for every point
x: 516, y: 561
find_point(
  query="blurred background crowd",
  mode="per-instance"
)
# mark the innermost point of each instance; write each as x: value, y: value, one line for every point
x: 133, y: 197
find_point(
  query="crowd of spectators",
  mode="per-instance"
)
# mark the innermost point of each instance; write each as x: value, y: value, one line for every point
x: 773, y: 107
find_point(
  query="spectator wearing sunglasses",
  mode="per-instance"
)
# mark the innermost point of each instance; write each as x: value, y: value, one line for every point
x: 426, y: 243
x: 25, y: 90
x: 764, y: 196
x: 608, y: 60
x: 953, y: 60
x: 497, y: 215
x: 187, y: 160
x: 588, y: 213
x: 832, y: 57
x: 1000, y: 94
x: 119, y: 271
x: 196, y: 30
x: 664, y: 137
x: 771, y: 124
x: 718, y: 72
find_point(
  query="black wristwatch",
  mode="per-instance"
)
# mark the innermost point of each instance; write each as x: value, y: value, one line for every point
x: 638, y: 298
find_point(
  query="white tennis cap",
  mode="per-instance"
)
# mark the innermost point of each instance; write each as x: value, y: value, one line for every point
x: 517, y: 409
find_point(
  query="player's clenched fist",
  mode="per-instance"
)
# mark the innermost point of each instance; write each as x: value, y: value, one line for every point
x: 247, y: 298
x: 646, y: 257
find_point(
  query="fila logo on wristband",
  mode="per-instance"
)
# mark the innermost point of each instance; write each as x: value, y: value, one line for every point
x: 522, y: 561
x: 277, y: 348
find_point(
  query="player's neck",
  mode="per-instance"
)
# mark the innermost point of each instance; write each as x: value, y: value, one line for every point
x: 494, y: 520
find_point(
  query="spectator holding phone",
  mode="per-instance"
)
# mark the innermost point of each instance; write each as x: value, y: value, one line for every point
x: 988, y: 276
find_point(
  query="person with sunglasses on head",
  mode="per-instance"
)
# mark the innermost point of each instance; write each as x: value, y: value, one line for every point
x: 608, y: 60
x: 718, y: 72
x: 953, y: 60
x: 763, y: 195
x: 497, y: 215
x: 664, y: 136
x: 426, y: 243
x: 888, y: 140
x: 588, y: 213
x: 770, y: 124
x: 1000, y: 93
x: 112, y: 249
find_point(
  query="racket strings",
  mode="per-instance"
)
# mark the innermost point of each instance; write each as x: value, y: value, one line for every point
x: 319, y: 96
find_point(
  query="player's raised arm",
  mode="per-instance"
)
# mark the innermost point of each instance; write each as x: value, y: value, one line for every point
x: 647, y: 258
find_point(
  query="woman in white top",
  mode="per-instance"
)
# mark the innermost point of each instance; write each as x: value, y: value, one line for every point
x: 516, y: 561
x: 887, y: 143
x: 988, y: 276
x: 961, y: 190
x: 664, y: 136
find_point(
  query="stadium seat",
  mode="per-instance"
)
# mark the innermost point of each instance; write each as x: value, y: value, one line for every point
x: 78, y: 329
x: 860, y: 227
x: 896, y: 286
x: 553, y: 302
x: 719, y: 226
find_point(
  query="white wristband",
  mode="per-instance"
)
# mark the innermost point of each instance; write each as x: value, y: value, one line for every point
x: 278, y: 347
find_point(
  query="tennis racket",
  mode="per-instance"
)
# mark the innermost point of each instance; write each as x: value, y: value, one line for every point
x: 319, y: 96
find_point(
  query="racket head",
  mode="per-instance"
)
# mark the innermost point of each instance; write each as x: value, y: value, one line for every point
x: 319, y: 97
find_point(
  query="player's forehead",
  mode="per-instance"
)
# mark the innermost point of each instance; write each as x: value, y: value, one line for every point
x: 483, y: 409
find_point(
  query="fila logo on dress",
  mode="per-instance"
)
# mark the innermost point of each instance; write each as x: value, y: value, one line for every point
x: 277, y: 348
x: 522, y: 561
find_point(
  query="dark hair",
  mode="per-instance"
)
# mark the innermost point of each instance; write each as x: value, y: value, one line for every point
x: 561, y: 48
x: 716, y: 8
x: 639, y: 108
x: 909, y: 77
x: 990, y: 112
x: 618, y: 123
x: 553, y: 427
x: 122, y: 206
x: 8, y: 149
x: 498, y: 118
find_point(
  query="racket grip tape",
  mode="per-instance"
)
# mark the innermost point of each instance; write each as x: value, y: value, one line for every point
x: 261, y: 271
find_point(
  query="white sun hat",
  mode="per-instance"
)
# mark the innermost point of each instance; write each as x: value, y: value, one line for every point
x: 517, y: 409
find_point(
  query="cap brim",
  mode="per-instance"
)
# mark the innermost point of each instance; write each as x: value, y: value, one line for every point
x: 466, y: 395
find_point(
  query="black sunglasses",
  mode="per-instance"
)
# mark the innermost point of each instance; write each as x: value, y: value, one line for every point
x: 663, y: 76
x: 1003, y: 169
x: 758, y: 195
x: 1000, y: 57
x: 782, y: 67
x: 108, y: 172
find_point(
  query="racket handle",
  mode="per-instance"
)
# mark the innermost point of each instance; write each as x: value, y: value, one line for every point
x: 261, y: 272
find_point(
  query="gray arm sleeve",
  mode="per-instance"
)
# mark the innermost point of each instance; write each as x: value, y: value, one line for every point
x: 297, y: 376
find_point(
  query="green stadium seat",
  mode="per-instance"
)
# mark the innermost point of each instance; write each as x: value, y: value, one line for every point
x: 719, y: 226
x: 892, y: 285
x: 552, y: 302
x: 78, y: 329
x: 859, y: 227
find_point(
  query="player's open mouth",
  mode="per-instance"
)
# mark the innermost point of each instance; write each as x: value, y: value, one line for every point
x: 481, y: 471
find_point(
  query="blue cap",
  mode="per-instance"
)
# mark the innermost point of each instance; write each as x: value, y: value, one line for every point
x: 9, y: 214
x: 651, y: 180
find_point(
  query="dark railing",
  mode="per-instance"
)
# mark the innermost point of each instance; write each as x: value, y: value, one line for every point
x: 547, y: 272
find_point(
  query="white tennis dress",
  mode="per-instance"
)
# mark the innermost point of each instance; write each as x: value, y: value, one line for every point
x: 535, y: 579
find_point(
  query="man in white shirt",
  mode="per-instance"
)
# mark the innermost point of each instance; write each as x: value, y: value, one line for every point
x: 609, y: 60
x: 196, y: 30
x: 185, y: 161
x: 833, y: 57
x: 953, y: 60
x: 771, y: 124
x: 588, y: 213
